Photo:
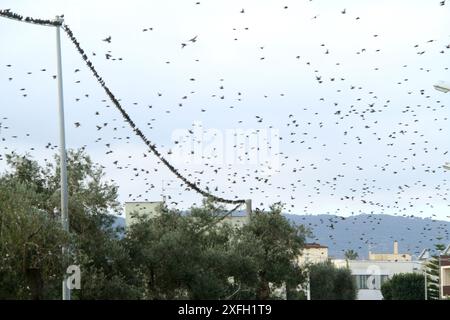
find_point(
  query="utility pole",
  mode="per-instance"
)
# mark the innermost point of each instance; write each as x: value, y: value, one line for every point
x: 62, y: 156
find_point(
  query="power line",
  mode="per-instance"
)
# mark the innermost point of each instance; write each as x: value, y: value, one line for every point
x: 115, y: 101
x: 14, y: 16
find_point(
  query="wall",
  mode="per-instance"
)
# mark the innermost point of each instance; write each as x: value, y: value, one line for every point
x: 389, y: 257
x: 313, y: 255
x: 236, y: 221
x: 146, y: 208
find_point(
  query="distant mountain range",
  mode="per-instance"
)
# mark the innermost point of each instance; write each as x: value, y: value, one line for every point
x: 376, y: 231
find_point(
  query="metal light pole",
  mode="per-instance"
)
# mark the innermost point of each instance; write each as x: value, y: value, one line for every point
x: 62, y: 155
x: 308, y: 293
x: 308, y: 284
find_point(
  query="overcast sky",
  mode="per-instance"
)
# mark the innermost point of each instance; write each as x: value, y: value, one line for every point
x: 338, y: 93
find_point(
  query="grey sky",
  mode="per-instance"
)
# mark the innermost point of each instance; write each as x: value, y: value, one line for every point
x: 378, y: 52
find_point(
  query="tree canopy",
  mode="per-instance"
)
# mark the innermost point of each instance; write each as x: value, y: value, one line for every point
x: 174, y: 255
x: 327, y: 282
x: 404, y: 286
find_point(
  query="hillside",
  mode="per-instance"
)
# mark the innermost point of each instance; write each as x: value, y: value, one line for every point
x: 377, y: 231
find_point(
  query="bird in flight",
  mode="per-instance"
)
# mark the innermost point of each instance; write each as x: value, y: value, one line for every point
x: 108, y: 39
x: 194, y: 39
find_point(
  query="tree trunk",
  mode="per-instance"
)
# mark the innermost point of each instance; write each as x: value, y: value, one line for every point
x: 263, y: 290
x: 36, y: 283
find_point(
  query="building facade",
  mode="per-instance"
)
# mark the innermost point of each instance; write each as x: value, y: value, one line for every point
x: 236, y: 221
x: 313, y: 253
x: 444, y: 265
x: 395, y: 256
x: 141, y: 208
x: 370, y: 275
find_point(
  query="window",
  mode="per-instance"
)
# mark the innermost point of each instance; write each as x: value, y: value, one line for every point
x: 367, y: 281
x: 361, y: 281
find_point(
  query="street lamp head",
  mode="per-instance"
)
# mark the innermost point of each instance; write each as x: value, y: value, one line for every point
x: 446, y: 166
x: 60, y: 18
x: 442, y: 86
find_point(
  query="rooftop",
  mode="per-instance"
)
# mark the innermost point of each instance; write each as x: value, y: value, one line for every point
x: 315, y: 246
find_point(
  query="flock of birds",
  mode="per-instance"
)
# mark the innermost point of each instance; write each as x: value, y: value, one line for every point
x: 353, y: 146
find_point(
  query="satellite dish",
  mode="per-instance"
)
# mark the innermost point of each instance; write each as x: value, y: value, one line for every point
x: 424, y: 255
x: 442, y: 86
x: 446, y: 251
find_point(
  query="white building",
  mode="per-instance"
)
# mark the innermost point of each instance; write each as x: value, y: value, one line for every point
x: 444, y: 263
x: 313, y: 253
x: 141, y: 208
x: 150, y: 208
x: 394, y: 256
x: 444, y: 266
x: 236, y: 221
x: 370, y: 275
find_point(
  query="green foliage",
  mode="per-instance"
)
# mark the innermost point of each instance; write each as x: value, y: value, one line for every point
x: 273, y: 245
x: 331, y: 283
x: 404, y: 286
x: 344, y: 285
x: 433, y: 274
x: 386, y: 290
x: 170, y: 256
x: 219, y: 261
x: 31, y: 237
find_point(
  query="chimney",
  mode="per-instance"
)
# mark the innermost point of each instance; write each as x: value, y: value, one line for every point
x: 395, y: 247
